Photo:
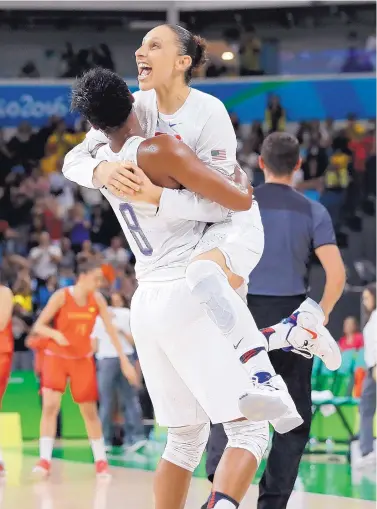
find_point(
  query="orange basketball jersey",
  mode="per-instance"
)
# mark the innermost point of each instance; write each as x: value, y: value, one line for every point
x: 6, y: 339
x: 76, y: 323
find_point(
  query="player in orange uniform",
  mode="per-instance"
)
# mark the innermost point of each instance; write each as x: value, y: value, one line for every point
x: 68, y: 355
x: 6, y: 346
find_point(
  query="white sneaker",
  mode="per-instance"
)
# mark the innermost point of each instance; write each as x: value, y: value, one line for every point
x: 366, y: 461
x: 308, y: 336
x: 139, y: 444
x: 291, y: 420
x: 266, y: 401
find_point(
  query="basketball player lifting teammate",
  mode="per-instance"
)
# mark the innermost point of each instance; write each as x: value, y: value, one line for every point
x: 228, y: 251
x: 186, y: 387
x: 68, y: 355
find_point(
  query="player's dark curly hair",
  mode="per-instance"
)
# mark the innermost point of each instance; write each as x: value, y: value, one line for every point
x: 103, y: 98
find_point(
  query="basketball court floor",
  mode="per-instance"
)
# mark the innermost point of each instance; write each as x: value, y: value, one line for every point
x: 73, y: 485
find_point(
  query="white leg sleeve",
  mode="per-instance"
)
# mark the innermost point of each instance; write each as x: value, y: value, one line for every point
x: 209, y: 285
x: 185, y: 446
x: 252, y: 436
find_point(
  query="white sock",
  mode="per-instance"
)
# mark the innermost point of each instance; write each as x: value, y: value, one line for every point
x: 218, y: 500
x: 224, y: 504
x: 209, y: 284
x: 98, y: 448
x: 46, y: 445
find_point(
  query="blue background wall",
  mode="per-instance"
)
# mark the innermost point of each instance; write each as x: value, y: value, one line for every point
x: 315, y: 98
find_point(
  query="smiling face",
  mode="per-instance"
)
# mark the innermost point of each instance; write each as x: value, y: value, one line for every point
x: 158, y: 59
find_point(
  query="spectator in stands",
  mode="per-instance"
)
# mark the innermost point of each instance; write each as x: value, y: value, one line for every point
x: 110, y: 377
x: 67, y: 260
x: 37, y: 227
x: 20, y: 145
x: 250, y: 53
x: 327, y: 131
x: 86, y: 254
x: 78, y: 227
x: 117, y: 255
x: 102, y: 57
x: 44, y: 259
x: 43, y: 293
x: 275, y: 115
x: 368, y: 396
x: 39, y: 139
x: 352, y: 339
x: 336, y: 182
x: 6, y: 159
x: 21, y: 323
x: 370, y: 167
x: 29, y: 70
x: 53, y: 220
x: 61, y: 141
x: 360, y: 147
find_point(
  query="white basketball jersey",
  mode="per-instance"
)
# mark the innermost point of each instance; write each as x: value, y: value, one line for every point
x: 162, y: 246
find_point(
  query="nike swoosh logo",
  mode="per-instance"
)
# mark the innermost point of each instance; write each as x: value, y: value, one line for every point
x: 238, y: 344
x: 313, y: 334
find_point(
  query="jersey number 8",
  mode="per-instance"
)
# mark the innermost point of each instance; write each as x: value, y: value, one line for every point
x: 133, y: 225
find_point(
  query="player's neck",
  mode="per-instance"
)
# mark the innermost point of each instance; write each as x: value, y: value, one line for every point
x: 128, y: 130
x: 171, y: 98
x: 79, y: 292
x: 272, y: 179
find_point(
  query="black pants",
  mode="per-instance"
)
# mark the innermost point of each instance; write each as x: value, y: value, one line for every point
x: 281, y: 470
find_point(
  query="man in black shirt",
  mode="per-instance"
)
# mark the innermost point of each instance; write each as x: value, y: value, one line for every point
x: 294, y: 227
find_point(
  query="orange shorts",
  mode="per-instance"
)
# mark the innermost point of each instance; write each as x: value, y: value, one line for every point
x: 5, y: 369
x: 81, y: 373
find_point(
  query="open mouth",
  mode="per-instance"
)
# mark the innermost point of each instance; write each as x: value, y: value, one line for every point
x: 144, y: 71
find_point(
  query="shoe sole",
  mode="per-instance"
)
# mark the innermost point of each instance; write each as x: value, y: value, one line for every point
x: 287, y: 424
x: 136, y: 446
x: 260, y: 407
x: 40, y: 474
x: 336, y: 358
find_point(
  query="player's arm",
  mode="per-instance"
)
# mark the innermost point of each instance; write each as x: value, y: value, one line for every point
x: 324, y: 243
x: 184, y: 204
x: 166, y: 156
x: 79, y: 164
x: 332, y: 263
x: 6, y: 309
x: 127, y: 368
x: 42, y: 325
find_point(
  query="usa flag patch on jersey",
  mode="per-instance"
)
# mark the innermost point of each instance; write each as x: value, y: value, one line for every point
x: 218, y: 155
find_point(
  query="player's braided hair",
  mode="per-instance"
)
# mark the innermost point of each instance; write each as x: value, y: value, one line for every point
x: 103, y: 98
x: 192, y: 45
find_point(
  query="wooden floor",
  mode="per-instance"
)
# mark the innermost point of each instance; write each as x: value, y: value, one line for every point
x: 73, y: 486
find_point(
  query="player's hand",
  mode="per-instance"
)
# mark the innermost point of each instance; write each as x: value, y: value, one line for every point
x: 118, y: 178
x: 148, y: 192
x: 59, y: 338
x: 129, y: 372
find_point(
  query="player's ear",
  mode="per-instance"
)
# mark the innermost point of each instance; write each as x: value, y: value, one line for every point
x: 298, y: 164
x: 261, y: 163
x: 184, y: 62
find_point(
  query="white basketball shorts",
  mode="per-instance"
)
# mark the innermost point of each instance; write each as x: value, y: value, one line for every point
x: 241, y: 240
x: 191, y: 370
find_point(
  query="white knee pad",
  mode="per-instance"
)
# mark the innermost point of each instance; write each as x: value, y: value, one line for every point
x: 185, y: 446
x: 207, y: 282
x: 252, y: 436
